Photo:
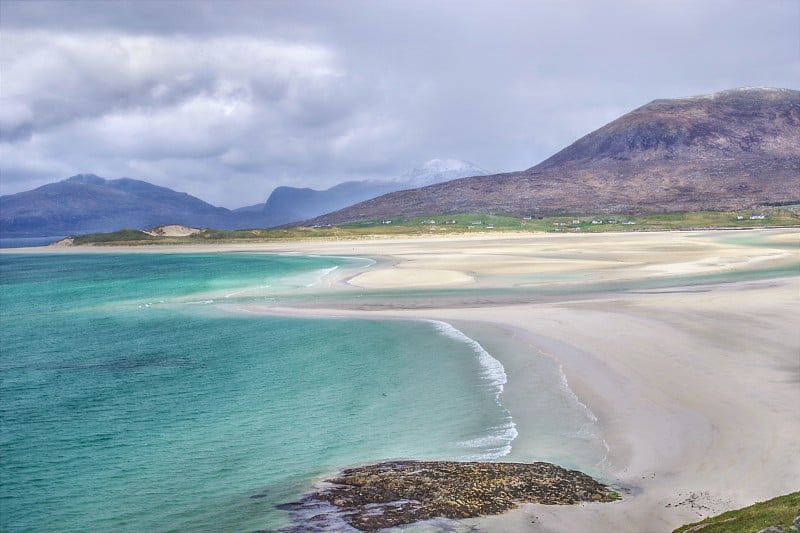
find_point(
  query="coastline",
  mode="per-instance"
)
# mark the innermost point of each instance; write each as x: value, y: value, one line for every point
x: 688, y: 436
x: 696, y: 388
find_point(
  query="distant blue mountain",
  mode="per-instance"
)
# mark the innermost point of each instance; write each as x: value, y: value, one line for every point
x: 90, y: 204
x: 87, y: 204
x: 294, y: 204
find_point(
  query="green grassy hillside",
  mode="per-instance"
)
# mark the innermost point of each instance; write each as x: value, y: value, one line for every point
x: 778, y: 511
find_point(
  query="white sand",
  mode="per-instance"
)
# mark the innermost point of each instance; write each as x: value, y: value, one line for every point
x: 392, y: 278
x: 697, y: 389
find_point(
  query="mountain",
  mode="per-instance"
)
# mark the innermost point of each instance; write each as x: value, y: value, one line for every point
x: 90, y: 204
x: 87, y: 203
x: 737, y: 149
x: 293, y: 204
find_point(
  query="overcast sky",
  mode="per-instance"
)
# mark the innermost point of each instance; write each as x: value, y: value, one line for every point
x: 226, y: 100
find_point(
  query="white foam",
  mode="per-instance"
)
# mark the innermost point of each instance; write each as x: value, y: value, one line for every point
x: 248, y: 289
x: 492, y: 369
x: 574, y: 397
x: 497, y: 444
x: 321, y: 274
x: 592, y: 418
x: 235, y: 293
x: 500, y: 439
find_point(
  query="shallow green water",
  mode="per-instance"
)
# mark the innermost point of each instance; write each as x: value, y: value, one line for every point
x: 131, y: 401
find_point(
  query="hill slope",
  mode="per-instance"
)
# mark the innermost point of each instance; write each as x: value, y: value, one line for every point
x: 87, y: 203
x: 735, y: 149
x: 90, y: 204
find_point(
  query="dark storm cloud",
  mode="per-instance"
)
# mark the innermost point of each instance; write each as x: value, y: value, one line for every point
x: 227, y: 100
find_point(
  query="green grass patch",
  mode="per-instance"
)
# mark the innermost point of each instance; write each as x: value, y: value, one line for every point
x: 778, y: 511
x: 124, y: 236
x: 466, y: 223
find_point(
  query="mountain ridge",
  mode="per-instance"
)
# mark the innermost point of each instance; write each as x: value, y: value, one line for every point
x: 87, y: 203
x: 735, y: 149
x: 288, y: 204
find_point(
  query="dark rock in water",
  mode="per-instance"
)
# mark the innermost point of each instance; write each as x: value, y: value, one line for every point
x: 291, y: 506
x: 396, y: 493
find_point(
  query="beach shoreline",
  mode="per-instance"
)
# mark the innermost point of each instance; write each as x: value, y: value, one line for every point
x: 695, y: 385
x: 677, y: 451
x: 671, y: 373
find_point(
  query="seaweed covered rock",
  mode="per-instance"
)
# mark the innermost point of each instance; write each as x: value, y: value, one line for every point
x: 395, y: 493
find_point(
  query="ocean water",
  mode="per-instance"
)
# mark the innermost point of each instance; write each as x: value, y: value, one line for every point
x: 134, y: 397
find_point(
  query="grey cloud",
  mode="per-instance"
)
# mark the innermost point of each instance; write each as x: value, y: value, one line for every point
x: 64, y: 77
x: 228, y: 100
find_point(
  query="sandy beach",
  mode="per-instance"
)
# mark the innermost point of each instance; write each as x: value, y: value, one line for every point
x: 684, y: 345
x: 696, y: 386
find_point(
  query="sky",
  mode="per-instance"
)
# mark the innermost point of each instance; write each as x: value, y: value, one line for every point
x: 227, y: 100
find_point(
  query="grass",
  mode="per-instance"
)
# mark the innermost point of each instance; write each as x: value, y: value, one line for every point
x: 467, y: 223
x: 778, y: 511
x: 124, y: 236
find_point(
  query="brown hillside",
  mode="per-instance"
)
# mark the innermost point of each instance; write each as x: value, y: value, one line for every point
x: 737, y: 149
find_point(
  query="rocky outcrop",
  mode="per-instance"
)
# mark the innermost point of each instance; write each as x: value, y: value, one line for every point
x: 395, y: 493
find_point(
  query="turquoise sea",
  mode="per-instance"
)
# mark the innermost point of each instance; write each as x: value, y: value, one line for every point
x: 134, y: 396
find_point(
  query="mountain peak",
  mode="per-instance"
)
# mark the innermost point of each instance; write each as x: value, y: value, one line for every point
x: 438, y: 170
x: 88, y: 179
x: 442, y: 165
x: 748, y: 91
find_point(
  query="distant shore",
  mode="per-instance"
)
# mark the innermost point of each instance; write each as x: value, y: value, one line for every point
x: 683, y: 344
